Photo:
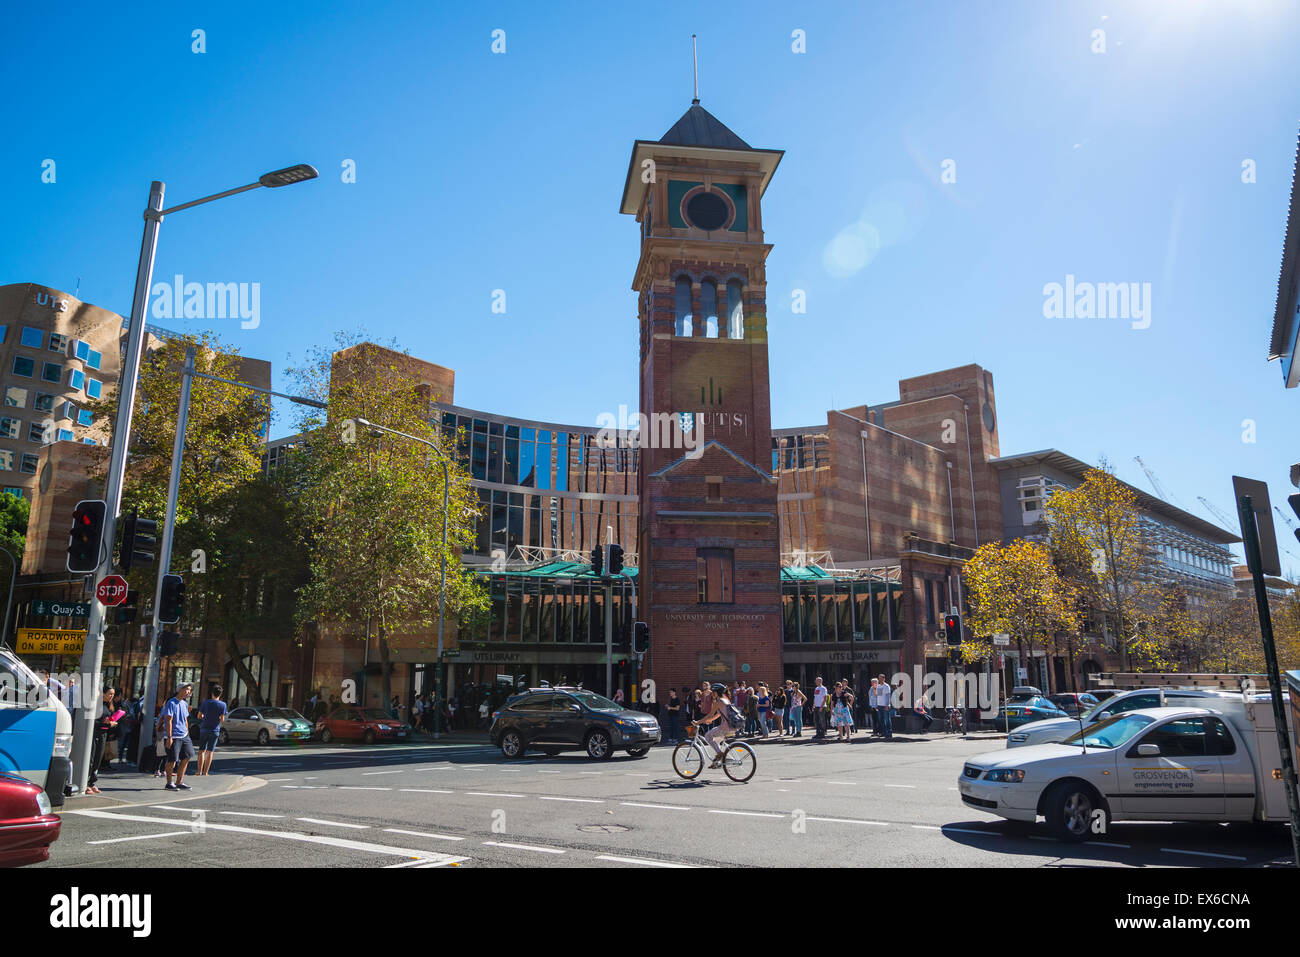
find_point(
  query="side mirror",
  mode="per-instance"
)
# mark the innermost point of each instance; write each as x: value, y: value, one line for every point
x: 254, y: 717
x: 575, y: 707
x: 1148, y: 750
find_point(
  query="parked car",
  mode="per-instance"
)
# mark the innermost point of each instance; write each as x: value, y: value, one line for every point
x: 552, y: 720
x: 28, y: 825
x: 1047, y: 731
x: 1073, y: 703
x: 1024, y: 710
x: 1155, y: 764
x: 360, y: 724
x: 265, y: 725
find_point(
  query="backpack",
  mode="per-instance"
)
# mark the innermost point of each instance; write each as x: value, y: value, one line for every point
x: 733, y: 715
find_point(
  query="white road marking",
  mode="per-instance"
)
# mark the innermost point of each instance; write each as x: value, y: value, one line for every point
x: 637, y: 774
x: 141, y: 837
x: 314, y: 820
x: 440, y: 837
x: 843, y: 820
x: 640, y: 860
x: 357, y: 787
x: 524, y: 847
x: 909, y: 786
x: 1226, y: 857
x: 926, y: 827
x: 544, y: 771
x: 747, y: 813
x: 425, y: 791
x: 492, y: 794
x: 575, y: 800
x: 249, y: 814
x: 366, y: 774
x: 665, y: 807
x: 339, y: 842
x: 1108, y: 844
x: 277, y: 780
x: 168, y: 807
x: 853, y: 783
x: 591, y: 772
x: 968, y: 830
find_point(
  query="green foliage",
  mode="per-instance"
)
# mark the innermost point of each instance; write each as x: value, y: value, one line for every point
x: 14, y: 512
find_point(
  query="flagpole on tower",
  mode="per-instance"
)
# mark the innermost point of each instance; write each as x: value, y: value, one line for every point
x: 695, y: 63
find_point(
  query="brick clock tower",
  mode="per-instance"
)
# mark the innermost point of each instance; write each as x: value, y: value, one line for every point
x: 709, y: 560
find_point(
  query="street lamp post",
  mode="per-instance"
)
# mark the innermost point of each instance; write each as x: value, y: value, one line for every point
x: 442, y: 591
x: 92, y: 656
x: 188, y: 375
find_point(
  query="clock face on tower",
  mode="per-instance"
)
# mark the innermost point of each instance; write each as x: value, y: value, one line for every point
x: 707, y: 210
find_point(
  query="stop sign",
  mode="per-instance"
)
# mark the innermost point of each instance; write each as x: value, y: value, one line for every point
x: 111, y: 590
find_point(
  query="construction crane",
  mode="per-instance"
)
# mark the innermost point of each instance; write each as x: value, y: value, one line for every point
x: 1227, y: 522
x: 1151, y: 477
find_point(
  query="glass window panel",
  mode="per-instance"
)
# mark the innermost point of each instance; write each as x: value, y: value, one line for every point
x: 51, y: 372
x: 735, y: 310
x: 512, y: 461
x: 6, y: 460
x: 94, y: 388
x: 76, y: 378
x: 527, y: 463
x: 32, y: 338
x: 29, y: 463
x: 496, y: 458
x: 562, y: 461
x: 683, y: 307
x: 15, y: 397
x: 544, y: 463
x: 24, y: 367
x: 709, y: 308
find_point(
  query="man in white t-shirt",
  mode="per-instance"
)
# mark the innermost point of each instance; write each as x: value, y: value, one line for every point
x: 819, y: 695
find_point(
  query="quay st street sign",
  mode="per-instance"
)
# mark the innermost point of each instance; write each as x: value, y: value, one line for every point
x: 50, y: 641
x: 68, y: 609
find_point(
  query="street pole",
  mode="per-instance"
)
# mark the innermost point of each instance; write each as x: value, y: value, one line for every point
x: 1250, y: 536
x: 92, y: 657
x: 609, y: 640
x: 165, y: 555
x: 13, y: 576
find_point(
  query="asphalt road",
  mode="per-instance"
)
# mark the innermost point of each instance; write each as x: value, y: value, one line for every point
x: 868, y: 803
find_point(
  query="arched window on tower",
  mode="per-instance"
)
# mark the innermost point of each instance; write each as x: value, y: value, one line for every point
x: 709, y: 307
x: 683, y: 327
x: 735, y: 311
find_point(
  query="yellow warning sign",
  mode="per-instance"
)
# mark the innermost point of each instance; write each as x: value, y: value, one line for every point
x: 50, y: 641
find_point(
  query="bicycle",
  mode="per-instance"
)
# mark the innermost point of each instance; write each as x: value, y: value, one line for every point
x: 689, y: 758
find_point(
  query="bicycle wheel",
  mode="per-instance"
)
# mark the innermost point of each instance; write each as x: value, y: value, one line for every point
x: 688, y: 760
x: 740, y: 762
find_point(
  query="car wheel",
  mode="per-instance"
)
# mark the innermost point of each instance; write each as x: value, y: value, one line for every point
x: 638, y: 752
x: 222, y: 738
x: 599, y: 745
x: 263, y: 737
x: 369, y: 736
x: 512, y: 744
x: 326, y: 736
x: 1069, y: 807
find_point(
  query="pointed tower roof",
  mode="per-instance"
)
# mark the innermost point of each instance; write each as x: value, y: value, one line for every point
x: 699, y: 127
x: 699, y: 134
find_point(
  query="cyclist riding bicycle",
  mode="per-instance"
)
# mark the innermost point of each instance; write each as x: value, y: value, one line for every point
x: 717, y: 711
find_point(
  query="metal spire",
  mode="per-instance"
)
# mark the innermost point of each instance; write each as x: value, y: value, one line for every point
x: 695, y: 62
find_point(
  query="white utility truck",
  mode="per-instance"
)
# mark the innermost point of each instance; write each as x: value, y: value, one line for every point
x: 1217, y: 762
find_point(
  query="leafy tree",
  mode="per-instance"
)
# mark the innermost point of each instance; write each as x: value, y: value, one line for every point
x: 1014, y: 589
x: 222, y: 457
x: 14, y: 512
x: 1099, y: 545
x: 375, y: 501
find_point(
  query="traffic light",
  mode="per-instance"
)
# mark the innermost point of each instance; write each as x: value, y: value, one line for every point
x: 87, y: 536
x: 615, y: 559
x: 598, y: 560
x: 1294, y: 502
x: 168, y: 642
x: 952, y: 629
x: 138, y: 541
x: 125, y: 613
x: 640, y: 637
x: 173, y: 599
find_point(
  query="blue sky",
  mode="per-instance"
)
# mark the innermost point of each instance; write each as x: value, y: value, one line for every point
x: 478, y: 171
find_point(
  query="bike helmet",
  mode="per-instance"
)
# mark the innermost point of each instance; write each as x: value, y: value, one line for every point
x: 719, y: 688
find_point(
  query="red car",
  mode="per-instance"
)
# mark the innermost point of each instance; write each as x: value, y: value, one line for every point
x: 360, y: 724
x: 27, y: 828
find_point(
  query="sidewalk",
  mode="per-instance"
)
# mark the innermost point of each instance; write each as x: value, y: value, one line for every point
x: 131, y: 788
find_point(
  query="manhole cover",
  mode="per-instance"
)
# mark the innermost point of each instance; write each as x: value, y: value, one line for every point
x: 602, y: 828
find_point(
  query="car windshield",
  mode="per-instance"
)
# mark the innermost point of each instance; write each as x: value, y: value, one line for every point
x: 374, y: 714
x: 1111, y: 733
x: 596, y: 702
